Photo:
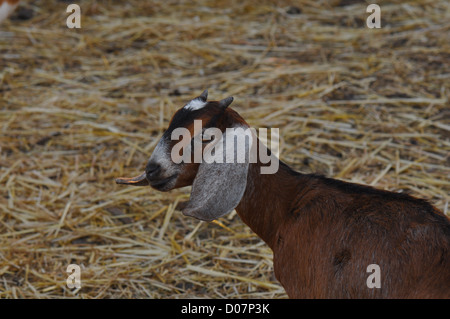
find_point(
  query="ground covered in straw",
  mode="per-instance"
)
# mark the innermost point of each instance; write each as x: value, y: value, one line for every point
x: 80, y: 107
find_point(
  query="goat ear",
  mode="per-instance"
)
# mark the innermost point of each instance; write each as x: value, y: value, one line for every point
x: 220, y: 184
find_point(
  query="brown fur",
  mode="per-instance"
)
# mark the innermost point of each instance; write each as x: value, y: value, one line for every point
x: 324, y: 233
x: 323, y: 237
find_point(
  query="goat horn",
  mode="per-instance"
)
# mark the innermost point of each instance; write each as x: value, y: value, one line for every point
x: 226, y: 102
x: 204, y: 95
x: 140, y: 180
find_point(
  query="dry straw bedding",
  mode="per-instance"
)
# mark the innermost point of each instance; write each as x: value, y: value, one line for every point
x: 79, y: 107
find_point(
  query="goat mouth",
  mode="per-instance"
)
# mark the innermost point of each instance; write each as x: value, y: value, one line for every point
x: 159, y: 184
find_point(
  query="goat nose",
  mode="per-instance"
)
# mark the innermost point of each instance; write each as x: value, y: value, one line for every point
x: 152, y: 169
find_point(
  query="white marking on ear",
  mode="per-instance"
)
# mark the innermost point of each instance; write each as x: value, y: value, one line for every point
x: 6, y: 9
x: 195, y: 104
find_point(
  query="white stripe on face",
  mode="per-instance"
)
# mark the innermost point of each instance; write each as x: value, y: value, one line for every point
x: 195, y: 104
x: 6, y: 9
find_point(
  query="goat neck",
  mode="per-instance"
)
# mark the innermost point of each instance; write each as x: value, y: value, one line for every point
x: 268, y: 199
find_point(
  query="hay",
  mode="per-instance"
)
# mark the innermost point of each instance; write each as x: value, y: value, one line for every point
x: 81, y: 107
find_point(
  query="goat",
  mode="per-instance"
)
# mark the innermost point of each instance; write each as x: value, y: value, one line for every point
x: 7, y: 7
x: 324, y: 233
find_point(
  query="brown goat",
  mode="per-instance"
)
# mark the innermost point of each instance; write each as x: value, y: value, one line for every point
x: 324, y: 233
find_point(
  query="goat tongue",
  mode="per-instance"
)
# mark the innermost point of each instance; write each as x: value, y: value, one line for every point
x: 140, y: 180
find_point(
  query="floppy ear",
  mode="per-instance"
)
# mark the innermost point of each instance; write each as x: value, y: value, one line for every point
x: 221, y: 179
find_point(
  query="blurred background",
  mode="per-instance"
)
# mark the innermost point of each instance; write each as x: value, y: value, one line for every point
x: 80, y: 107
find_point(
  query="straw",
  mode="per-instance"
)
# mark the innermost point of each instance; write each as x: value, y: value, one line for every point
x: 81, y: 107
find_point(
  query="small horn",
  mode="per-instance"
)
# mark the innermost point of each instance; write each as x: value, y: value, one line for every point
x: 140, y: 180
x: 226, y: 102
x: 204, y: 95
